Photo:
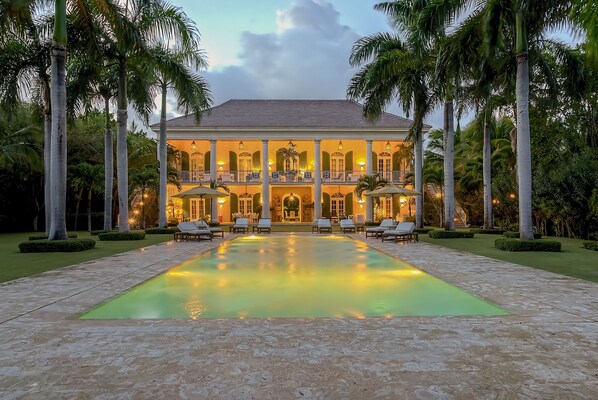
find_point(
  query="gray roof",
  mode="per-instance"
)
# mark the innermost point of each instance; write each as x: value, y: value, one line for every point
x: 288, y: 114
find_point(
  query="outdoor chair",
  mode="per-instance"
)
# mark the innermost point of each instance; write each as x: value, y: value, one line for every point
x: 324, y: 225
x: 377, y: 231
x: 263, y: 225
x: 188, y: 230
x: 347, y: 226
x: 403, y: 232
x: 216, y: 231
x: 241, y: 226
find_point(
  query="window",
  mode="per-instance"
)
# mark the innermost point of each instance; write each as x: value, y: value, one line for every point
x: 245, y: 203
x: 245, y: 164
x: 337, y: 164
x: 385, y: 165
x: 337, y: 204
x: 196, y: 163
x: 385, y: 207
x: 197, y: 209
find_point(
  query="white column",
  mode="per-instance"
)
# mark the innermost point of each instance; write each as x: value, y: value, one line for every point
x: 213, y: 176
x: 265, y: 181
x: 369, y: 169
x: 317, y: 181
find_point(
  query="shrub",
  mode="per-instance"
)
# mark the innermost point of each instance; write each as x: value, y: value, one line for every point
x: 515, y: 235
x: 45, y: 237
x: 593, y: 236
x: 214, y: 224
x: 508, y: 244
x: 96, y: 233
x: 482, y: 231
x: 440, y: 234
x: 372, y: 223
x: 116, y: 236
x: 51, y: 246
x: 591, y: 245
x: 422, y: 230
x: 160, y: 231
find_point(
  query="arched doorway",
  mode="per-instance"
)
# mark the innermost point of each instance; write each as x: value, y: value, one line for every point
x: 291, y: 207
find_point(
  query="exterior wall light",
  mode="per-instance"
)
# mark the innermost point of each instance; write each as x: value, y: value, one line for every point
x: 340, y: 145
x: 193, y: 145
x: 241, y: 145
x: 361, y: 165
x: 387, y: 145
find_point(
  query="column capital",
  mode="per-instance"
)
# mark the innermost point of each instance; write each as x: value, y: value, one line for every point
x: 369, y: 141
x: 265, y: 140
x: 317, y: 141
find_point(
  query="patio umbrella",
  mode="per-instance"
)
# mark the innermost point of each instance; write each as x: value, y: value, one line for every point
x: 201, y: 192
x: 391, y: 190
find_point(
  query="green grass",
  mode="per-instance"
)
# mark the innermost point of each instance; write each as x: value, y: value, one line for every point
x: 573, y: 261
x: 15, y: 265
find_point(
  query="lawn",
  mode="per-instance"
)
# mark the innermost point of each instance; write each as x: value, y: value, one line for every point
x: 15, y: 265
x: 573, y: 261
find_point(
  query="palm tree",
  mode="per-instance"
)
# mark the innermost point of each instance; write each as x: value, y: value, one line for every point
x: 521, y: 21
x: 191, y: 90
x: 129, y: 40
x: 85, y: 177
x: 368, y: 183
x: 405, y: 15
x: 24, y: 64
x: 396, y: 69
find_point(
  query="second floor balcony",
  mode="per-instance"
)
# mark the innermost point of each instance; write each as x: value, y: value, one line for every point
x: 287, y: 177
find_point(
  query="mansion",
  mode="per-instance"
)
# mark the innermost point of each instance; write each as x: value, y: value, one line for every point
x: 288, y: 160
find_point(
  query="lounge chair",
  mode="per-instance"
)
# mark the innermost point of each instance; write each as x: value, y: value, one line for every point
x: 347, y: 226
x: 324, y: 225
x: 314, y: 227
x: 216, y: 231
x: 241, y: 226
x: 403, y: 232
x: 263, y: 225
x: 188, y: 230
x: 377, y: 231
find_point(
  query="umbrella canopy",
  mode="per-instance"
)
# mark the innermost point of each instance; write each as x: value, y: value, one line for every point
x: 391, y: 191
x: 202, y: 192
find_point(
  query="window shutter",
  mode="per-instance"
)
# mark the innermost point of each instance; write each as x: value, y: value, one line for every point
x: 349, y: 161
x: 232, y: 161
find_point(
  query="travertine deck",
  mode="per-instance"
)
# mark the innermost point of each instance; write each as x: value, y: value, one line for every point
x: 546, y: 349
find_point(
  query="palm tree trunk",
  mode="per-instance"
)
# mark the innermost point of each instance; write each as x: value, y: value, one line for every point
x: 524, y: 165
x: 449, y: 165
x: 108, y: 167
x: 58, y: 146
x: 89, y: 210
x: 47, y: 166
x: 487, y: 172
x: 122, y: 162
x: 419, y: 187
x: 163, y: 161
x: 77, y: 206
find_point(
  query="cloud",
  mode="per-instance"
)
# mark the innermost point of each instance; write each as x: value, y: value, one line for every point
x: 306, y: 58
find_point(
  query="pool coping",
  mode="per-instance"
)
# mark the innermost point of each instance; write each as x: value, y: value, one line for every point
x: 545, y: 348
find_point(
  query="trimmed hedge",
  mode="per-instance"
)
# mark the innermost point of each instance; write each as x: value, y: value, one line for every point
x: 372, y: 223
x: 423, y: 230
x: 45, y: 237
x: 52, y: 246
x: 161, y: 231
x: 515, y: 235
x: 96, y: 233
x: 488, y: 231
x: 591, y: 245
x: 214, y: 224
x: 116, y: 236
x: 507, y: 244
x: 440, y: 234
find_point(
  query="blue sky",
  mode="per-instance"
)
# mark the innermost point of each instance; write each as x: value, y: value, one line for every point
x: 286, y: 49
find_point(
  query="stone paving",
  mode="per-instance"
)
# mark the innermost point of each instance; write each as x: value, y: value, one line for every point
x: 546, y: 349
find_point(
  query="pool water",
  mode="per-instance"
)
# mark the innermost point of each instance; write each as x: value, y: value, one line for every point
x: 292, y: 277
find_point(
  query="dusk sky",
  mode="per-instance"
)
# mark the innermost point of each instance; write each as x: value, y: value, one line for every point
x: 283, y: 49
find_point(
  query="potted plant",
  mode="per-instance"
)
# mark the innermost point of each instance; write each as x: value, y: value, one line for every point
x: 290, y: 156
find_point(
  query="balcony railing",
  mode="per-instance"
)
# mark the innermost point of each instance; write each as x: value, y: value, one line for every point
x: 348, y: 177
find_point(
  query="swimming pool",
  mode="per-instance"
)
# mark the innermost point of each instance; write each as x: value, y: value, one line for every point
x: 292, y: 277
